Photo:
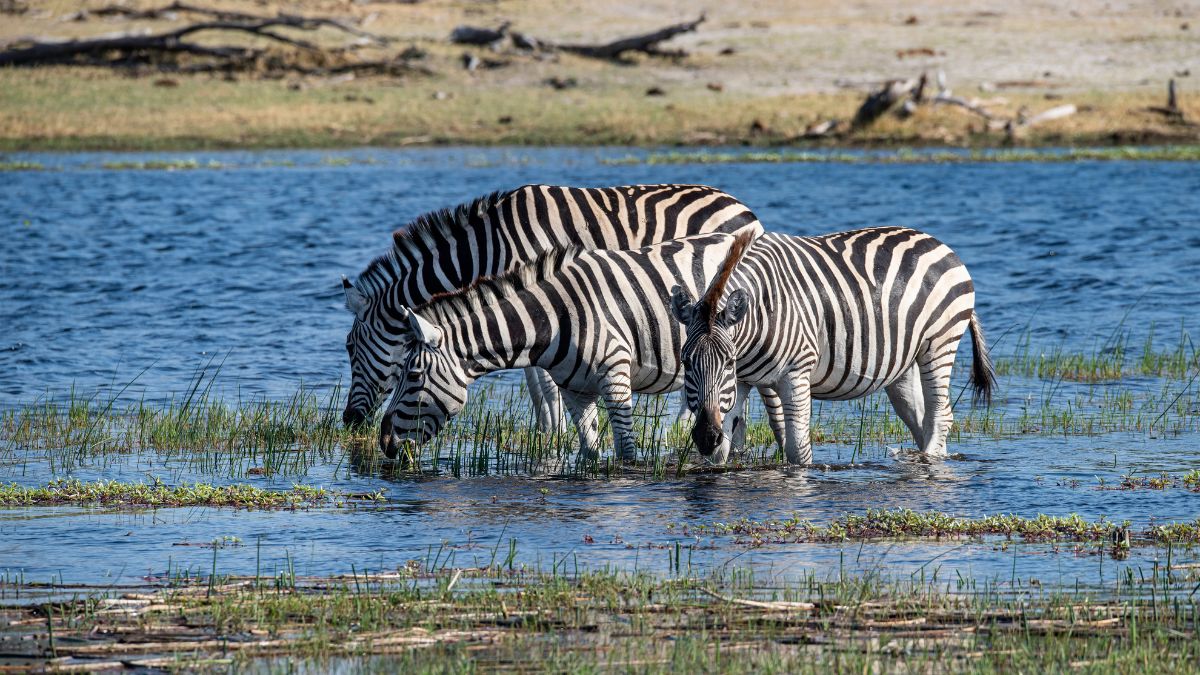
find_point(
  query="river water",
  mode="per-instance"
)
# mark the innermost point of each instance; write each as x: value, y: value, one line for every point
x: 111, y: 275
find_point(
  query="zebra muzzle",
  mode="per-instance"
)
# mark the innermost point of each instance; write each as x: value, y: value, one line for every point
x: 707, y: 433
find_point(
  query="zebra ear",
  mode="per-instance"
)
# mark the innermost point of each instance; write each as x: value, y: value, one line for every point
x: 735, y: 307
x: 356, y: 302
x: 681, y: 305
x: 424, y: 331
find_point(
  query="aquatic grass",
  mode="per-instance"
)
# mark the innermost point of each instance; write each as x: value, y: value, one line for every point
x: 159, y: 495
x: 1167, y: 153
x: 162, y: 165
x: 21, y: 166
x: 877, y: 524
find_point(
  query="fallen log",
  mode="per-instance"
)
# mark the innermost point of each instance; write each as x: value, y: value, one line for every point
x: 882, y: 100
x: 474, y: 35
x: 646, y: 43
x: 171, y: 11
x: 128, y: 49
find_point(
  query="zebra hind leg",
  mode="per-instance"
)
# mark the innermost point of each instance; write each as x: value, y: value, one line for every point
x: 908, y: 400
x: 587, y: 419
x: 618, y: 398
x: 935, y: 365
x: 547, y: 401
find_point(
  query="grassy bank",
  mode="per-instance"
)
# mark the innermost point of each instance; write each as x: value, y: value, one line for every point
x: 465, y: 620
x: 73, y: 109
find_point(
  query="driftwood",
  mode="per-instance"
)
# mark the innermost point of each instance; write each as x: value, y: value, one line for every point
x: 156, y: 48
x: 881, y: 101
x: 1171, y: 111
x: 294, y: 20
x: 646, y: 43
x: 473, y: 35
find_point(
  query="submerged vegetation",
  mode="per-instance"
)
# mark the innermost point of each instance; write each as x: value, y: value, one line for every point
x: 422, y: 619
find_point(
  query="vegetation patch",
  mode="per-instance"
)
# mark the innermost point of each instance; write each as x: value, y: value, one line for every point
x: 158, y: 495
x: 465, y: 620
x: 908, y: 524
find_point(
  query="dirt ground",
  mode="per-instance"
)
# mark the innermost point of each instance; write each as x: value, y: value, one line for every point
x: 758, y: 72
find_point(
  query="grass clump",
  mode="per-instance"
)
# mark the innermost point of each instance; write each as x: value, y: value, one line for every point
x: 21, y: 166
x: 907, y: 524
x: 157, y: 494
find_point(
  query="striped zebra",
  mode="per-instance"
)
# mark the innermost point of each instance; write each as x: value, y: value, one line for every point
x: 596, y: 321
x: 833, y: 317
x: 449, y: 249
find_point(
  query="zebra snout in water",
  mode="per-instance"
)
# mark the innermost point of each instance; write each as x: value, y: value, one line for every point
x: 707, y: 433
x: 387, y: 440
x: 353, y: 417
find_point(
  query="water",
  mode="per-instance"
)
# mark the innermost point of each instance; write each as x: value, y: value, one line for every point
x: 108, y: 276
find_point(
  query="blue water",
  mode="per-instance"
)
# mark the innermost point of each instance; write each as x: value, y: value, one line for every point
x: 108, y: 276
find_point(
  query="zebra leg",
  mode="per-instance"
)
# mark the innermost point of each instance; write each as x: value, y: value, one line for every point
x: 586, y: 415
x: 733, y: 427
x: 618, y: 398
x: 908, y: 400
x: 774, y: 406
x: 684, y: 417
x: 795, y: 393
x: 935, y: 365
x: 547, y: 402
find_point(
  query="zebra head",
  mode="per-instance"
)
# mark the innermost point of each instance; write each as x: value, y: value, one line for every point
x: 709, y: 367
x: 708, y: 355
x: 374, y: 359
x: 431, y: 387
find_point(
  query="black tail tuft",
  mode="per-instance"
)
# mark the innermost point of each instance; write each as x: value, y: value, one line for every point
x: 983, y: 376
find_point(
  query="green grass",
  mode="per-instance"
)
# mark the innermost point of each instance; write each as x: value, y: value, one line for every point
x: 158, y: 495
x: 421, y: 619
x: 878, y: 524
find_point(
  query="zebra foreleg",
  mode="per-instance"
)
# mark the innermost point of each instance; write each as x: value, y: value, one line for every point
x: 736, y: 421
x: 908, y: 400
x: 618, y: 398
x: 547, y: 401
x: 586, y: 415
x: 795, y: 393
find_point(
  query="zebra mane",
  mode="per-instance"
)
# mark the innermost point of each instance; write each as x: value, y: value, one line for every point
x: 716, y: 290
x: 485, y: 292
x: 450, y: 223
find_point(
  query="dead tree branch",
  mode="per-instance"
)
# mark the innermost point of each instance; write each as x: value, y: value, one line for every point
x: 292, y: 20
x: 646, y: 43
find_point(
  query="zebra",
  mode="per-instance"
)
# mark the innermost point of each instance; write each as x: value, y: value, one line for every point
x: 449, y: 249
x: 596, y: 321
x: 833, y: 317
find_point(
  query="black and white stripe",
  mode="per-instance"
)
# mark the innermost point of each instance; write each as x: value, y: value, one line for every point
x: 832, y: 317
x: 596, y: 321
x: 449, y: 249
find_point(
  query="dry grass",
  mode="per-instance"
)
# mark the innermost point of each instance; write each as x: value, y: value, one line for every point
x: 793, y: 64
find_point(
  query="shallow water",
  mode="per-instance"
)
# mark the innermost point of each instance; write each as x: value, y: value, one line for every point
x: 108, y: 276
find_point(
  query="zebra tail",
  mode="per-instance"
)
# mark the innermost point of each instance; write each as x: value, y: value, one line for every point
x: 983, y: 375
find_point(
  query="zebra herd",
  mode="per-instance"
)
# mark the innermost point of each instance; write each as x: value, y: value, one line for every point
x: 600, y: 293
